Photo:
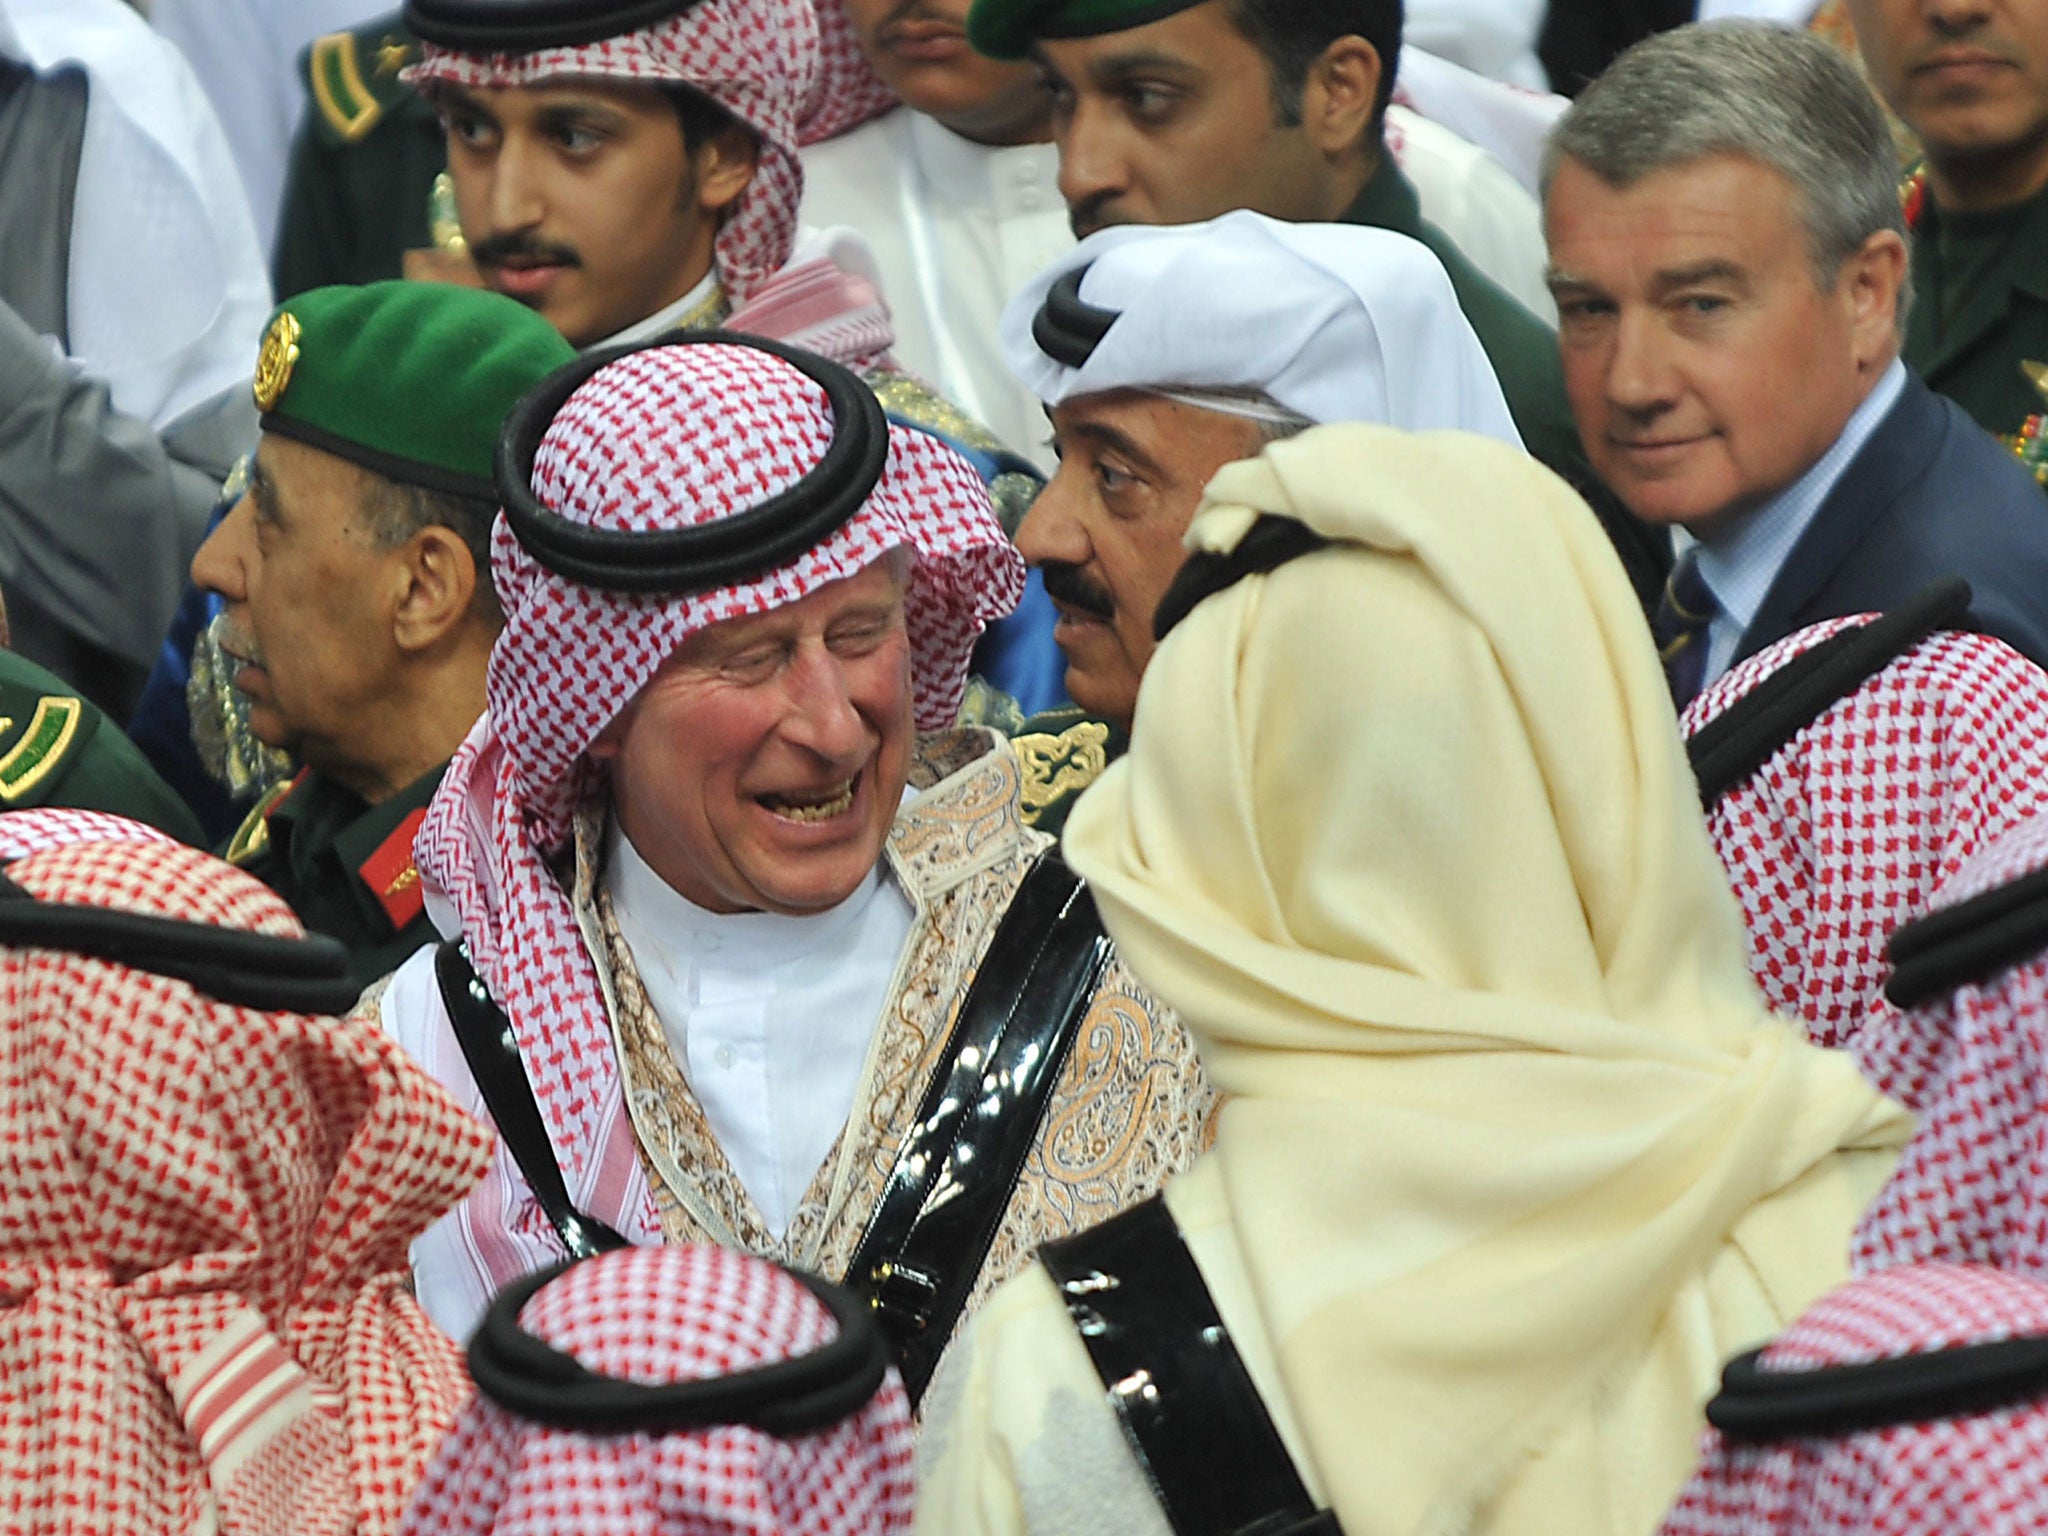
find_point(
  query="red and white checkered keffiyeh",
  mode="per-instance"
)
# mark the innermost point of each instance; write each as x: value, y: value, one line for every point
x: 204, y: 1219
x: 758, y: 59
x: 660, y: 1316
x: 46, y: 827
x: 1977, y: 1474
x: 1846, y: 831
x: 662, y: 438
x: 848, y: 92
x: 1972, y: 1184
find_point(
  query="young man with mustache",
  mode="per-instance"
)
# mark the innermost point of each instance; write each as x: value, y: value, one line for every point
x: 355, y: 571
x: 1970, y: 78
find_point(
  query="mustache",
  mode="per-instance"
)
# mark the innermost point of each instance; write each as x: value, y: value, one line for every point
x: 526, y: 249
x: 1065, y: 585
x: 1091, y: 214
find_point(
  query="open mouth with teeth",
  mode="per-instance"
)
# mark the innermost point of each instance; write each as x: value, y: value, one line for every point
x: 821, y: 805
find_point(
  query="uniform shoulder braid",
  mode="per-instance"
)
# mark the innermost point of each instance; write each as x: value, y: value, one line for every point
x: 353, y: 79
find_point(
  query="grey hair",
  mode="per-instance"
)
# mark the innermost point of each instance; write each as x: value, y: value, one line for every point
x: 395, y: 511
x: 1782, y: 98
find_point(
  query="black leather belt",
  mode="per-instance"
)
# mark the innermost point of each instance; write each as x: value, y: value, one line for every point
x: 1191, y: 1412
x: 960, y: 1160
x: 491, y: 1048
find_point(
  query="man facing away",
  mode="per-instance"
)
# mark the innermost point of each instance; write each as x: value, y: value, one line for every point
x: 1970, y: 78
x: 782, y: 973
x: 1170, y: 113
x: 359, y: 612
x: 1730, y: 270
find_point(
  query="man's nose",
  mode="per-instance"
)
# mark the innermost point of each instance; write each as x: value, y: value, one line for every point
x: 218, y: 566
x: 822, y: 717
x: 1093, y: 168
x: 1640, y: 376
x: 1052, y: 530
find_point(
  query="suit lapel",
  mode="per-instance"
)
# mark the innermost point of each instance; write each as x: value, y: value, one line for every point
x: 1894, y: 457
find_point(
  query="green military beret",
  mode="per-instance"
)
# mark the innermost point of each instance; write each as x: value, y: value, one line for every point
x: 1006, y: 29
x: 411, y: 380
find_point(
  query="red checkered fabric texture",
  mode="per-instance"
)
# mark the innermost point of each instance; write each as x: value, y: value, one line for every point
x: 1846, y: 831
x: 758, y: 59
x: 1981, y: 1474
x: 204, y: 1217
x: 1972, y: 1184
x: 656, y: 1316
x: 26, y: 832
x: 666, y: 437
x: 848, y: 91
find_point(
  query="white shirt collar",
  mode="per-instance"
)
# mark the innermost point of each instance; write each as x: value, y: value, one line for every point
x: 1740, y: 564
x: 665, y: 318
x: 978, y: 175
x: 739, y: 938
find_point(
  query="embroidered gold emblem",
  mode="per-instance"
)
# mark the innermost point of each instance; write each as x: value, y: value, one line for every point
x: 392, y: 56
x: 407, y: 879
x: 274, y: 362
x: 1058, y: 766
x: 252, y: 838
x: 41, y: 748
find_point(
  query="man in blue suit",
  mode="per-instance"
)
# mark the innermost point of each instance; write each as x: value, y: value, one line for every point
x: 1729, y: 262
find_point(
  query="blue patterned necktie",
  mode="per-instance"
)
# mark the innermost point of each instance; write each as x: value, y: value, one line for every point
x: 1680, y: 627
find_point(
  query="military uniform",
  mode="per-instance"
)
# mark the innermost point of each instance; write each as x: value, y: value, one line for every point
x: 1978, y: 328
x: 344, y: 866
x: 361, y: 185
x: 56, y: 749
x: 1060, y: 753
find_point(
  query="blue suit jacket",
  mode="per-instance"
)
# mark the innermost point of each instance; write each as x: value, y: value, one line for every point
x: 1932, y: 494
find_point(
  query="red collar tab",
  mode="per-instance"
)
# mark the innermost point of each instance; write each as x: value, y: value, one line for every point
x: 392, y: 876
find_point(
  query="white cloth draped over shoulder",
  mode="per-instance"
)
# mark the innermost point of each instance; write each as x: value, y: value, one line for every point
x: 1516, y: 1156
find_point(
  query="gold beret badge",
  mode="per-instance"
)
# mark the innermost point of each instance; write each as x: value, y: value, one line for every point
x: 274, y: 362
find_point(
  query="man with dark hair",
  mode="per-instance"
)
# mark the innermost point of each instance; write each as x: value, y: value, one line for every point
x: 1176, y: 113
x: 1970, y: 78
x: 360, y: 613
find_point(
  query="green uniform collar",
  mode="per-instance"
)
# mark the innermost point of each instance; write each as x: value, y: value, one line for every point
x: 1936, y: 346
x: 1388, y: 200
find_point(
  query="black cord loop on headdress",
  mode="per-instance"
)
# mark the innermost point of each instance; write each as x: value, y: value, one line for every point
x: 526, y: 26
x: 1968, y: 942
x: 529, y: 1377
x: 1732, y: 746
x: 1270, y: 544
x: 1067, y: 327
x: 232, y: 965
x: 720, y: 553
x: 1759, y: 1404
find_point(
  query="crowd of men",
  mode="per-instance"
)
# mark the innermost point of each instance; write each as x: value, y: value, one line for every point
x: 1025, y: 766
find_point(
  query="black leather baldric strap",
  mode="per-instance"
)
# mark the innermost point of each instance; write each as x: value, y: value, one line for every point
x: 1190, y: 1411
x: 725, y: 550
x: 1067, y: 327
x: 528, y: 1376
x: 1745, y: 736
x: 960, y: 1159
x: 1971, y: 941
x: 1759, y: 1404
x: 309, y: 974
x: 1269, y: 544
x: 491, y: 1049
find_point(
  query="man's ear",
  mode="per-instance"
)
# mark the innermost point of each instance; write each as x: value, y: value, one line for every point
x: 1871, y: 282
x: 1338, y: 95
x: 437, y: 593
x: 724, y: 164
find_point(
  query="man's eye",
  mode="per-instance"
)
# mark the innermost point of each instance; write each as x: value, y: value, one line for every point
x: 1111, y: 479
x: 1703, y: 303
x: 1581, y: 310
x: 1150, y: 103
x: 751, y: 665
x: 472, y: 132
x: 578, y: 141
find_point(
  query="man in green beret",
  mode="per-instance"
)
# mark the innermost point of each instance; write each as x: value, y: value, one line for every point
x: 356, y: 573
x: 1178, y: 111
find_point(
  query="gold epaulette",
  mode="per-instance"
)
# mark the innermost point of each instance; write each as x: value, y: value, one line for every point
x: 349, y: 102
x: 1057, y: 766
x: 40, y: 750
